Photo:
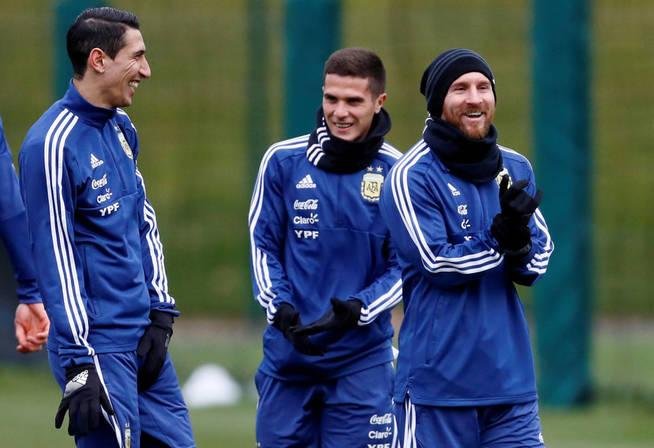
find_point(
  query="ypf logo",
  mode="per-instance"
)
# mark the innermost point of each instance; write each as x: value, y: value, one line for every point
x: 109, y: 209
x: 307, y: 234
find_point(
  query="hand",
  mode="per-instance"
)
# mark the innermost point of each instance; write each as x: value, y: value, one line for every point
x: 513, y: 236
x: 286, y: 320
x: 32, y: 326
x: 515, y: 202
x: 84, y: 398
x: 153, y: 348
x: 343, y: 315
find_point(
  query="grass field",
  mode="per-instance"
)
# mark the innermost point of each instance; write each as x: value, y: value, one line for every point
x: 621, y: 417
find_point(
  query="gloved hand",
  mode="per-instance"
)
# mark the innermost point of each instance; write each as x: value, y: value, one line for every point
x: 343, y: 315
x: 515, y: 202
x: 153, y: 347
x: 84, y: 398
x: 286, y: 320
x: 513, y: 236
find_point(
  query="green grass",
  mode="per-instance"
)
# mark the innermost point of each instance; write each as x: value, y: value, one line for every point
x: 620, y: 418
x: 607, y: 424
x: 30, y: 399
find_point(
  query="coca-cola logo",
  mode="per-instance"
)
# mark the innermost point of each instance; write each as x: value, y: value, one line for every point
x: 99, y: 183
x: 309, y: 204
x: 381, y: 419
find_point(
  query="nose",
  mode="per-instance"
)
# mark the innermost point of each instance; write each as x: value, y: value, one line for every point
x: 474, y: 96
x: 341, y: 110
x: 145, y: 71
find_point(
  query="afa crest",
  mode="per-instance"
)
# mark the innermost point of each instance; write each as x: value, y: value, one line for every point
x: 501, y: 174
x: 125, y: 145
x: 371, y: 186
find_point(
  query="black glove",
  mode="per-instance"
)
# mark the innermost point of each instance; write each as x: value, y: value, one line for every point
x: 153, y: 347
x: 84, y: 398
x: 516, y: 202
x: 343, y: 316
x: 513, y: 236
x: 286, y: 320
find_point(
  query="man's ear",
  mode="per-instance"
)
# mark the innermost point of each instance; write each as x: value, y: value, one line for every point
x: 96, y: 60
x: 379, y: 102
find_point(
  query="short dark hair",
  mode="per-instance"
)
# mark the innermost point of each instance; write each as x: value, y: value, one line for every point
x: 102, y: 28
x: 358, y: 62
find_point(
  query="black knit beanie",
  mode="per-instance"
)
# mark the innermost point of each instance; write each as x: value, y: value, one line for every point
x: 444, y: 70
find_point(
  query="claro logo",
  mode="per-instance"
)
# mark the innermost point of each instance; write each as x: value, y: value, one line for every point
x: 311, y: 219
x: 309, y: 204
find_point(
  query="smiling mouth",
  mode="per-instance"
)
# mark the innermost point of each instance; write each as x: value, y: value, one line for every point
x: 133, y: 84
x: 343, y: 125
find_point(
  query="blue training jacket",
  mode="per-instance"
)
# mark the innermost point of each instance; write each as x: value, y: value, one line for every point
x: 464, y: 340
x: 13, y: 227
x: 99, y: 258
x: 315, y: 235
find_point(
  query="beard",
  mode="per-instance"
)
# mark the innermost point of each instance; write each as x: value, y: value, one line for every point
x: 475, y: 132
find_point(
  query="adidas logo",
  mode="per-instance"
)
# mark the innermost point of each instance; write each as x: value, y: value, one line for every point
x: 95, y: 162
x: 306, y: 182
x: 76, y: 383
x: 453, y: 189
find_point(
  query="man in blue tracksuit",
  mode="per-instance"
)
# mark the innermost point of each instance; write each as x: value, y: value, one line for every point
x: 321, y: 256
x: 98, y: 254
x: 462, y: 211
x: 31, y: 321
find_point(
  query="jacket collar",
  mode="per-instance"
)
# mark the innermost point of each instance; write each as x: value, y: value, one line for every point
x: 95, y: 116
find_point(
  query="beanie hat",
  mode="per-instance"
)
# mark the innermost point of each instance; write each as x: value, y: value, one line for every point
x: 444, y: 70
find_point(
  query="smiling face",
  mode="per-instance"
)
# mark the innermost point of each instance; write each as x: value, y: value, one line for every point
x: 470, y: 105
x: 124, y: 72
x: 349, y: 106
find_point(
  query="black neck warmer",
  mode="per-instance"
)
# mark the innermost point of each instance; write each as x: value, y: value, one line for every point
x: 473, y: 160
x: 336, y: 155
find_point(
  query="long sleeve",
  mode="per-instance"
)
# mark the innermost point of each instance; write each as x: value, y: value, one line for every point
x: 13, y: 228
x: 267, y: 225
x: 528, y: 269
x: 48, y: 194
x: 17, y: 242
x: 382, y: 294
x: 418, y: 226
x: 153, y: 256
x: 152, y: 253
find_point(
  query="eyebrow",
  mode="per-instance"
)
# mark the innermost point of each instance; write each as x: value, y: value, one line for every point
x: 346, y: 98
x: 469, y: 83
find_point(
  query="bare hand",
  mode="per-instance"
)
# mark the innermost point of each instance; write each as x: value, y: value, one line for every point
x: 32, y: 326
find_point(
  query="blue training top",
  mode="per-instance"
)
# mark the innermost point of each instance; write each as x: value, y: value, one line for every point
x: 464, y: 340
x: 316, y: 235
x: 13, y: 227
x: 100, y: 261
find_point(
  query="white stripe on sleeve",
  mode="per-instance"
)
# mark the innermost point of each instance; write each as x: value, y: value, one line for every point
x: 468, y: 264
x: 53, y: 156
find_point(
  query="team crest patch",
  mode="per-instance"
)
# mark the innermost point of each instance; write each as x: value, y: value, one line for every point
x: 371, y: 185
x: 125, y: 145
x: 502, y: 173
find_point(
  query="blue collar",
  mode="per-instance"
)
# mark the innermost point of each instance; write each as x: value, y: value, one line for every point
x: 95, y: 116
